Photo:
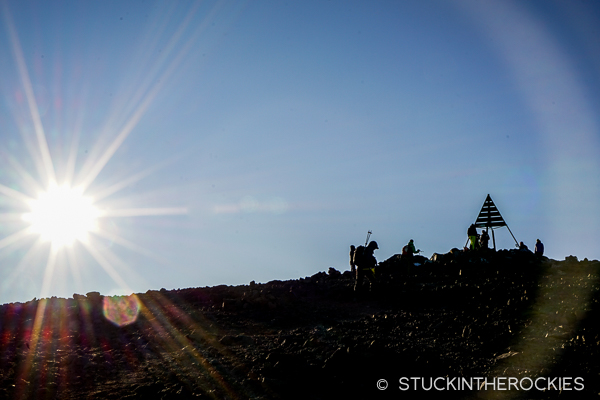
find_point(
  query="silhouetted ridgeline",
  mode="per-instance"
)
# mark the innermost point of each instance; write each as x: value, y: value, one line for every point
x: 503, y: 314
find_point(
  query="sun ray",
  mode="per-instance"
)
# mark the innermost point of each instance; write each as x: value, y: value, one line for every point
x: 39, y: 176
x: 164, y: 316
x: 107, y: 266
x: 114, y: 146
x: 39, y: 315
x: 132, y: 106
x: 32, y: 148
x: 49, y: 272
x: 70, y: 165
x: 14, y: 194
x: 33, y: 108
x: 146, y: 94
x: 14, y: 238
x: 71, y: 159
x: 28, y: 180
x: 99, y: 165
x: 130, y: 245
x: 119, y: 265
x: 146, y: 212
x: 154, y: 65
x: 11, y: 217
x: 75, y: 270
x: 27, y: 365
x: 127, y: 182
x: 153, y: 74
x: 24, y: 263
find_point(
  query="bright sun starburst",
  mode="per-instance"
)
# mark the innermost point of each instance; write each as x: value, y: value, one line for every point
x: 62, y: 215
x: 56, y: 198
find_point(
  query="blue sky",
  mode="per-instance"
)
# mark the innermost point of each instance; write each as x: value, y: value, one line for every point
x: 257, y: 140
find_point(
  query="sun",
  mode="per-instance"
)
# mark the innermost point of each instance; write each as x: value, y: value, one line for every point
x: 58, y: 204
x: 62, y: 215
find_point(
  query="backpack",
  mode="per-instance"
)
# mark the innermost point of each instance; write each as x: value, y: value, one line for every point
x: 405, y: 250
x: 359, y: 255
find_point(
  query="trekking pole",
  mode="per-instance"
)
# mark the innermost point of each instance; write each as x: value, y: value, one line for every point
x: 368, y: 236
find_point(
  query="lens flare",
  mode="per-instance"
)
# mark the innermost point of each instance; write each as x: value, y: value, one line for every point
x: 121, y: 310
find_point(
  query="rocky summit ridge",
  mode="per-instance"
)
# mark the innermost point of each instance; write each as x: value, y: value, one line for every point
x: 460, y: 315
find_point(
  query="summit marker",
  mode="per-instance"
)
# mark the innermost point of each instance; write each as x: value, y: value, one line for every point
x: 490, y: 217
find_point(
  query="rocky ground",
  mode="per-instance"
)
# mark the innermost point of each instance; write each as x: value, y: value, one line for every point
x: 459, y: 315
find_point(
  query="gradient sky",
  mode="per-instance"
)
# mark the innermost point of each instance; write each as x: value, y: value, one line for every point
x: 268, y: 136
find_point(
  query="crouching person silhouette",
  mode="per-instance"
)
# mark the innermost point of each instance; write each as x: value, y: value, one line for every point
x: 365, y: 263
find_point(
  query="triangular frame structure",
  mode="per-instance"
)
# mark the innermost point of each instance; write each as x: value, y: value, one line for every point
x: 490, y: 217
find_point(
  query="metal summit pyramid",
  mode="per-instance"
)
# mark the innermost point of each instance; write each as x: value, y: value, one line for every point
x: 490, y: 217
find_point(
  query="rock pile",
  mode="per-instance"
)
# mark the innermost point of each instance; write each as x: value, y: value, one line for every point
x: 478, y: 314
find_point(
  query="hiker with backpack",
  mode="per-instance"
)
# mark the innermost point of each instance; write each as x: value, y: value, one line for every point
x: 484, y: 239
x: 472, y: 233
x: 365, y: 263
x: 409, y: 250
x: 539, y: 248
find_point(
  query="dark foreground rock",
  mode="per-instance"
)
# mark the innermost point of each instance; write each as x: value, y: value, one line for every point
x: 428, y: 328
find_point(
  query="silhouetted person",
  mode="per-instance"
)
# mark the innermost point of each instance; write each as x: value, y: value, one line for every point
x: 409, y: 250
x: 365, y: 263
x: 484, y: 239
x: 472, y: 233
x: 522, y: 246
x: 352, y: 265
x: 539, y: 248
